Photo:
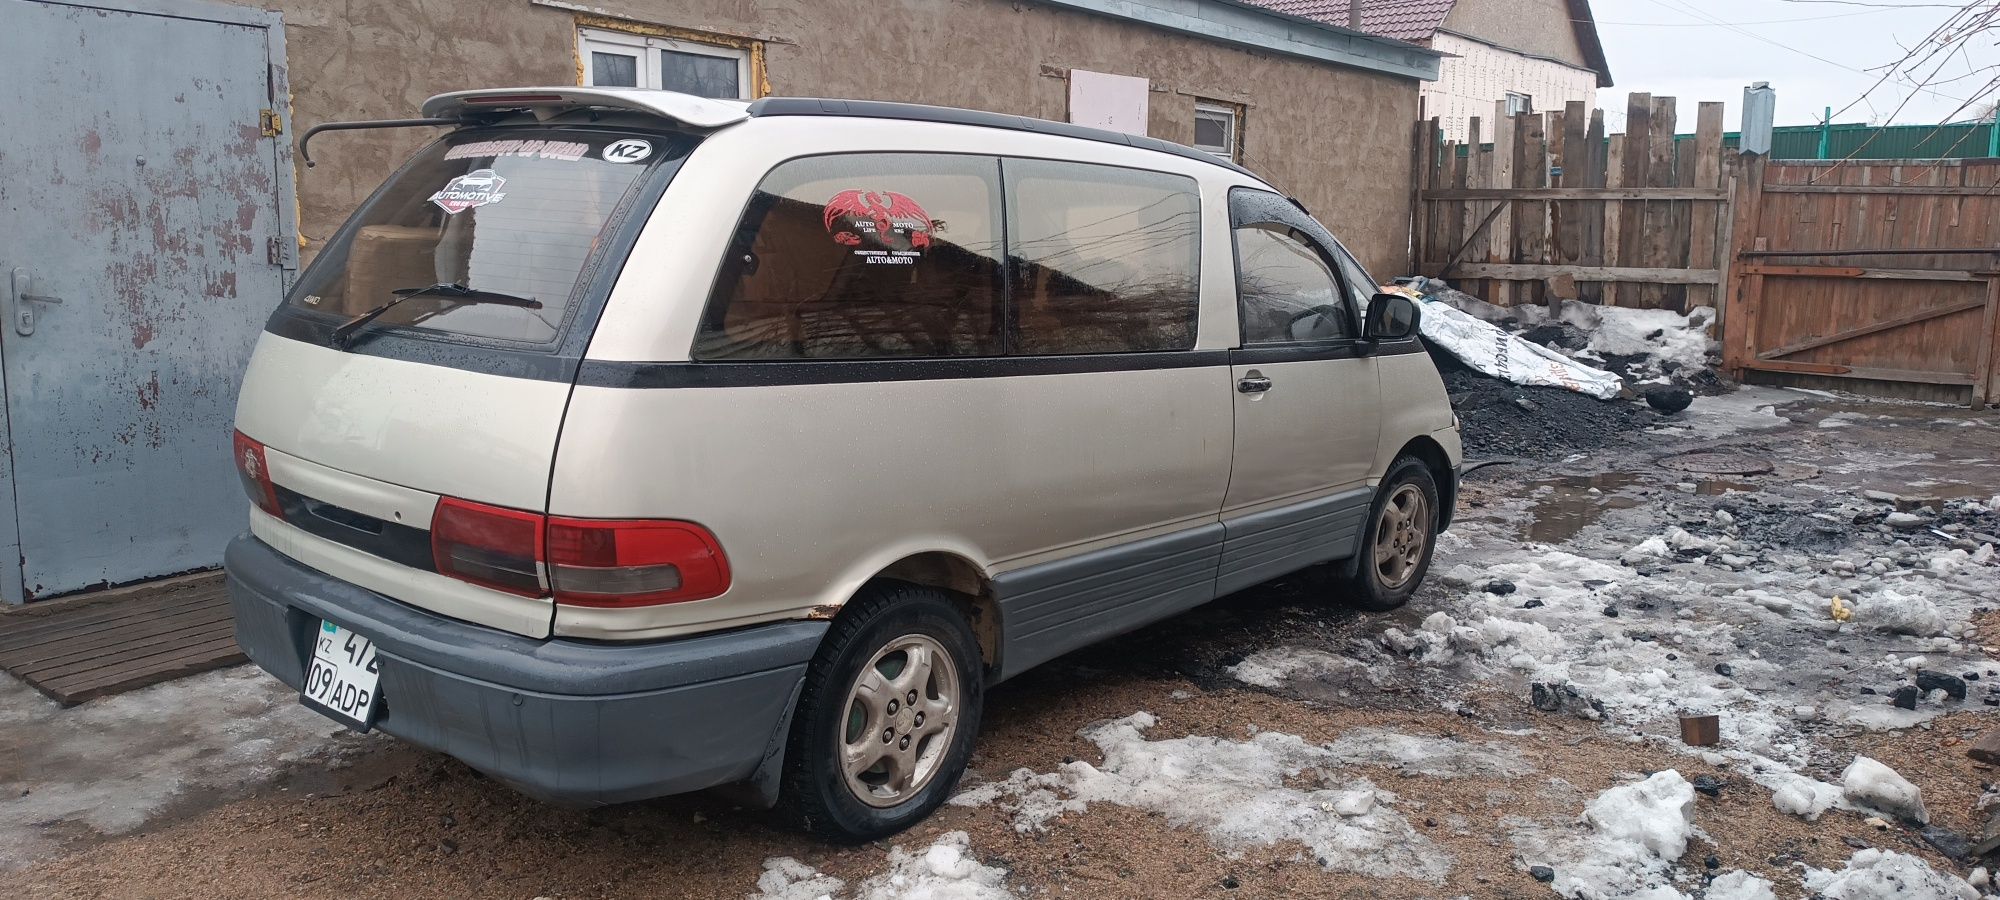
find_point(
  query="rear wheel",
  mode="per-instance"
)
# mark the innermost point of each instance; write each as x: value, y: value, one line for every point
x: 1396, y: 548
x: 888, y: 715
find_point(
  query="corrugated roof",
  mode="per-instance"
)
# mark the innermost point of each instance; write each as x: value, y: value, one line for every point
x: 1404, y: 20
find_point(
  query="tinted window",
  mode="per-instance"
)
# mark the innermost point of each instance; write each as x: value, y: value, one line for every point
x: 513, y: 211
x: 860, y: 256
x: 1359, y: 286
x: 1105, y: 258
x: 1286, y: 290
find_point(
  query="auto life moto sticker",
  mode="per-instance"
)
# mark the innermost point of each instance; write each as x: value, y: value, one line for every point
x: 475, y: 188
x: 567, y: 151
x: 883, y: 227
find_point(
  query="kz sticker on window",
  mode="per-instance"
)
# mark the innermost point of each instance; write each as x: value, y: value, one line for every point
x: 883, y: 227
x: 475, y: 188
x: 630, y: 150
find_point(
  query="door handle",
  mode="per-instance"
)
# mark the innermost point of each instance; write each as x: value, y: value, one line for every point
x: 19, y: 293
x: 1253, y: 384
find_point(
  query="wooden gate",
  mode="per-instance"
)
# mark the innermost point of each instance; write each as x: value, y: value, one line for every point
x: 1846, y: 276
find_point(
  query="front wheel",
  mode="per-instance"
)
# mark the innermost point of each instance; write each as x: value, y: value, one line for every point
x: 886, y: 722
x: 1396, y: 548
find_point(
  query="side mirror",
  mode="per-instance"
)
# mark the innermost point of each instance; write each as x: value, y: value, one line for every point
x: 1391, y: 317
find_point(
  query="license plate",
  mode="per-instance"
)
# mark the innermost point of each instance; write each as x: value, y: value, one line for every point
x: 341, y: 677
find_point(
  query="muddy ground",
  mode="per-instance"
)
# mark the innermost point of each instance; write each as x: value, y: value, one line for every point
x: 315, y: 813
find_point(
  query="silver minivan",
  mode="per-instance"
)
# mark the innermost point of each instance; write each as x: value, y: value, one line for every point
x: 627, y: 443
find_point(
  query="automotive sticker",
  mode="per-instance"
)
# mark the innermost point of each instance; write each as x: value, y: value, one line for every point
x: 630, y: 150
x: 883, y: 227
x: 475, y: 188
x: 567, y: 151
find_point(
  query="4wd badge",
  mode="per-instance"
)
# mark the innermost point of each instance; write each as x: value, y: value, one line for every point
x: 475, y: 188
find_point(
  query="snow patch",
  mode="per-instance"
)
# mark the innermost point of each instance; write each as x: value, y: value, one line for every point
x: 1876, y: 786
x: 1275, y: 666
x: 1273, y: 788
x: 946, y: 870
x: 1739, y: 885
x: 1887, y: 875
x: 1634, y: 834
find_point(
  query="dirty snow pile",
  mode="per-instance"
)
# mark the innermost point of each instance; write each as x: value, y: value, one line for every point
x: 1646, y: 346
x: 1887, y: 875
x: 1242, y: 793
x: 947, y: 870
x: 1629, y: 839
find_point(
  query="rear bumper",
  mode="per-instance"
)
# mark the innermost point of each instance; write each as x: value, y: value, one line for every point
x: 564, y: 720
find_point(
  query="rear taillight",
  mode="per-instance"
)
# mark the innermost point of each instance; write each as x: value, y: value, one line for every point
x: 255, y: 472
x: 587, y: 562
x: 488, y: 545
x: 615, y: 563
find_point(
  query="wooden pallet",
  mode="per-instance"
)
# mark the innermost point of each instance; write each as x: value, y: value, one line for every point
x: 88, y: 647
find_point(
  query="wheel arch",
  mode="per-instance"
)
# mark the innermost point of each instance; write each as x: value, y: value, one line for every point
x: 1432, y: 454
x: 955, y: 573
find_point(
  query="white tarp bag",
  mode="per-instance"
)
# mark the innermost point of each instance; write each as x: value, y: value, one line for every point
x: 1494, y: 352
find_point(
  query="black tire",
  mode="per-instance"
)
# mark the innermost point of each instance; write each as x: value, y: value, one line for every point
x: 1363, y: 582
x: 815, y: 794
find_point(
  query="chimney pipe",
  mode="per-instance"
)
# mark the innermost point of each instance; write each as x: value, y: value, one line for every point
x: 1354, y: 14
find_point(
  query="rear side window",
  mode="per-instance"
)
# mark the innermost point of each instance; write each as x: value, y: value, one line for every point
x: 863, y: 256
x: 514, y: 211
x: 1287, y: 291
x: 1106, y: 258
x: 909, y: 255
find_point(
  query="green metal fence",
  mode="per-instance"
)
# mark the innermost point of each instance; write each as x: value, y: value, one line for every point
x: 1963, y: 140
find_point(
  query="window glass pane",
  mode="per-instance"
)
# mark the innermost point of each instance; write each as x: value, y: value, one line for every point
x: 1105, y: 258
x: 1211, y: 131
x: 510, y: 210
x: 1287, y: 291
x: 1359, y: 285
x: 613, y: 69
x: 863, y: 256
x: 700, y: 75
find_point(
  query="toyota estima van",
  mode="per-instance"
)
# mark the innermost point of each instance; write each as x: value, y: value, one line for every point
x: 627, y: 443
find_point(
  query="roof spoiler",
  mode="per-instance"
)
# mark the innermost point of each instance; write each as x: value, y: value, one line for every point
x: 548, y: 102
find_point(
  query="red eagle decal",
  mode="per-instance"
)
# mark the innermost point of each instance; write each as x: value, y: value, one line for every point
x: 881, y: 220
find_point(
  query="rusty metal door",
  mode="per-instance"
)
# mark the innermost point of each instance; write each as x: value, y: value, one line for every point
x: 145, y: 233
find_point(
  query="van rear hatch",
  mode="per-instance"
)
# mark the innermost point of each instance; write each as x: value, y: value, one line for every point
x: 427, y: 355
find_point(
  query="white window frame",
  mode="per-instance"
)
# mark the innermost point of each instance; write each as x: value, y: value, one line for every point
x: 1519, y: 103
x: 1231, y: 114
x: 647, y: 49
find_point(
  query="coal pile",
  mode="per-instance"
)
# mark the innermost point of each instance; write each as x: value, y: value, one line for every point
x: 1501, y: 419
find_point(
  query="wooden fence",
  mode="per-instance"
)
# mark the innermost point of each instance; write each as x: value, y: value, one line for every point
x: 1878, y: 276
x: 1631, y: 219
x: 1848, y: 279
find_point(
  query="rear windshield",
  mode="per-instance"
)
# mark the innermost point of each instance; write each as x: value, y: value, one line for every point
x: 514, y: 211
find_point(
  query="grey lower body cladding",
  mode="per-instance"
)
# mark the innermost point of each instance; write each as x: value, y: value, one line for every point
x: 568, y: 721
x: 1050, y: 609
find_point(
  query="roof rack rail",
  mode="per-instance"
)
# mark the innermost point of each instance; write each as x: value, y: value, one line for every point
x: 916, y: 112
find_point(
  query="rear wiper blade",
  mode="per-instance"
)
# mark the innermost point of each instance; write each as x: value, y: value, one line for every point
x: 343, y: 334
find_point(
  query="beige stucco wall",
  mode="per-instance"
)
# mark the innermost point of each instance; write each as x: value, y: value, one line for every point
x: 1535, y: 27
x: 1336, y: 138
x: 1478, y: 75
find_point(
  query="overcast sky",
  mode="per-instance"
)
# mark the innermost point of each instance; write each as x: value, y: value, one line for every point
x: 1673, y: 48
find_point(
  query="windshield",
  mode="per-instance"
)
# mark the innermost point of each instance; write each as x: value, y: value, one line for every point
x: 513, y: 211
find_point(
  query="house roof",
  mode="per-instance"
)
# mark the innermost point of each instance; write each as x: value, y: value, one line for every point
x: 1417, y: 21
x: 1405, y: 20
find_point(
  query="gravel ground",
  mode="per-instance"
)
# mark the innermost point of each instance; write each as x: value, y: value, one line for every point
x: 375, y: 819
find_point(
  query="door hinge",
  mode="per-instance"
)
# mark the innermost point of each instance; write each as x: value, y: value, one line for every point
x: 270, y: 122
x: 274, y: 251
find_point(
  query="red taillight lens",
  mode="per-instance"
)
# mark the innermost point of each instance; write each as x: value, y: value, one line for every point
x: 488, y: 545
x: 617, y: 563
x: 256, y: 474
